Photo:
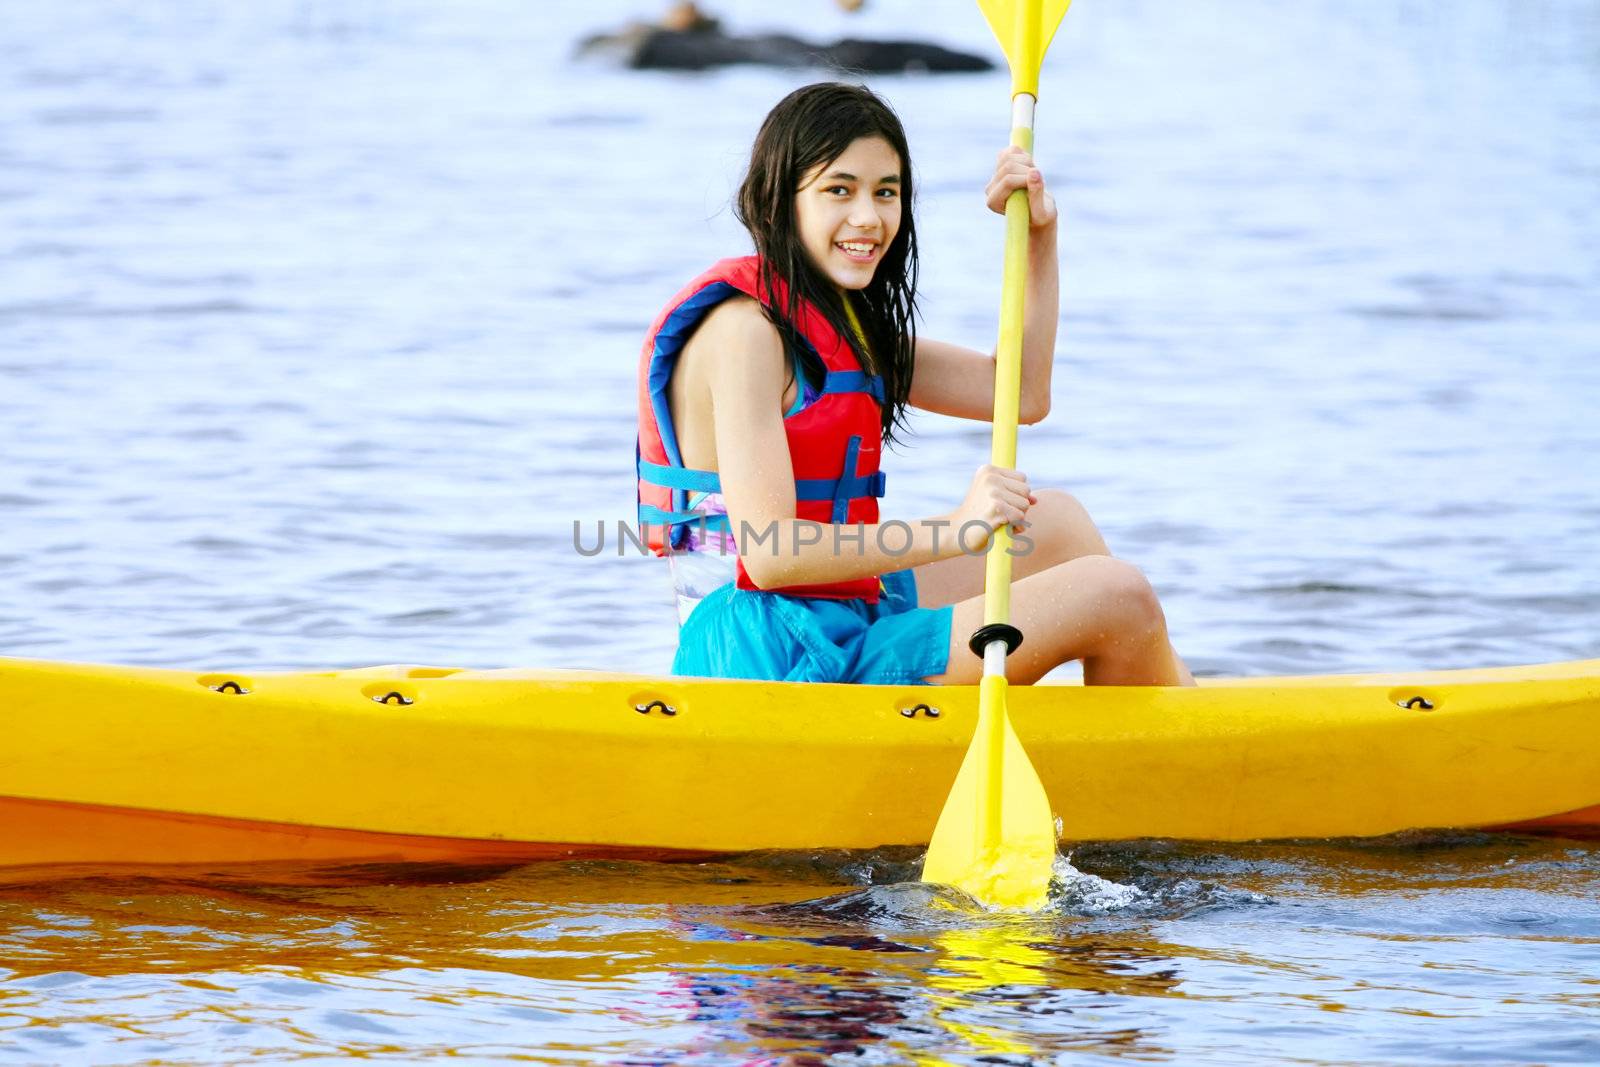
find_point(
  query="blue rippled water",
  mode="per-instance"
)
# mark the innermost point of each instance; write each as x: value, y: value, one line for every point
x: 318, y: 326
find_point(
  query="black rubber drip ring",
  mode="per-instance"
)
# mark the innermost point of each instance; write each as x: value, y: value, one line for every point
x: 995, y: 631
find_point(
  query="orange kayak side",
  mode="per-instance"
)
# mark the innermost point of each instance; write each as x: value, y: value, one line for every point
x: 1585, y: 822
x: 49, y: 833
x: 45, y: 838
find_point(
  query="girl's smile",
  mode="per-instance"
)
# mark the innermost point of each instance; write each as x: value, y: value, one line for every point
x: 860, y: 251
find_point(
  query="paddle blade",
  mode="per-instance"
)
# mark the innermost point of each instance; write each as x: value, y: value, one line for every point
x: 1025, y: 29
x: 996, y: 837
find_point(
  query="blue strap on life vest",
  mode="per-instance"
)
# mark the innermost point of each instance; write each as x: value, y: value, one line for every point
x: 841, y: 499
x: 685, y: 478
x: 651, y: 515
x: 853, y: 381
x: 835, y: 489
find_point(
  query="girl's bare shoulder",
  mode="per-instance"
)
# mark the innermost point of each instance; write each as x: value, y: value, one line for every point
x: 738, y: 329
x: 736, y: 349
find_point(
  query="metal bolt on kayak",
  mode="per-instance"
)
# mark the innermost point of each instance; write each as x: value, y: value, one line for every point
x: 227, y: 684
x: 925, y: 709
x: 655, y: 705
x: 389, y: 691
x: 1414, y: 700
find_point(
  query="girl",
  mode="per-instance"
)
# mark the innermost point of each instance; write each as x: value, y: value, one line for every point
x: 766, y: 391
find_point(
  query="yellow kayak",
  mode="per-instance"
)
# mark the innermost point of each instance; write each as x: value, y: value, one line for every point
x: 128, y: 765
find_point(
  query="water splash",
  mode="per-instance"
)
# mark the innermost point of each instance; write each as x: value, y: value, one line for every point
x: 909, y: 906
x: 1074, y: 892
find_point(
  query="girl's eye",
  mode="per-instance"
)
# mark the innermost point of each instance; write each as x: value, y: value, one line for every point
x: 836, y: 189
x: 888, y: 194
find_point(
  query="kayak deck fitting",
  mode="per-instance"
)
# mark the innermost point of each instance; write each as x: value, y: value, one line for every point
x: 131, y: 765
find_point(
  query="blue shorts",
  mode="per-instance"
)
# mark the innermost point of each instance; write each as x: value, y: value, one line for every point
x: 738, y: 633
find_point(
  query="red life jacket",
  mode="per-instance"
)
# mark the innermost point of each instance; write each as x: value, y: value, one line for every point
x: 835, y: 442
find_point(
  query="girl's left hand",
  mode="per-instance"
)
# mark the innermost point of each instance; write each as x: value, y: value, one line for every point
x: 1013, y: 171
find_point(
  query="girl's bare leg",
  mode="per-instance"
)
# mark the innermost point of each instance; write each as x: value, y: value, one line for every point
x: 1101, y: 611
x: 1060, y: 529
x: 1094, y: 608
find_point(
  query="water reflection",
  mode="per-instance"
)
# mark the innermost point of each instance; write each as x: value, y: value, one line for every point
x: 779, y: 959
x: 1009, y: 991
x: 972, y: 983
x: 993, y: 987
x: 805, y: 1014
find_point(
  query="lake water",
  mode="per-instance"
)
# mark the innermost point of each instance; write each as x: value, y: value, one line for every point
x: 318, y: 327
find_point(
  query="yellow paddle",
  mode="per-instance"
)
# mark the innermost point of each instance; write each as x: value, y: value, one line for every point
x: 996, y: 837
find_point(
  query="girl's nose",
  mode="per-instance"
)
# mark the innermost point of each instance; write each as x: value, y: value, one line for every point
x: 863, y: 214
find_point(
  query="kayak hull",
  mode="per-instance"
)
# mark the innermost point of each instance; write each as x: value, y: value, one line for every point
x: 123, y: 765
x: 43, y: 837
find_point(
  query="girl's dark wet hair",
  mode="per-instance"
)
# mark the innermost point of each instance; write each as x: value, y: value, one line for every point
x: 810, y: 127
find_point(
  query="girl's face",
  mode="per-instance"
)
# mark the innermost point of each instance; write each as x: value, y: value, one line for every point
x: 848, y: 211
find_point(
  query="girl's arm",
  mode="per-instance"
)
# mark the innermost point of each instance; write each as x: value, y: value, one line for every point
x: 747, y: 374
x: 958, y: 381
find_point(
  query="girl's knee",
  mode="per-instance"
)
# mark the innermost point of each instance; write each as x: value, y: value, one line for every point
x: 1061, y: 528
x: 1126, y: 594
x: 1060, y: 503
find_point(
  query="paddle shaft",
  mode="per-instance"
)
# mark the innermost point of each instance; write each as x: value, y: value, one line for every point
x: 1003, y: 453
x: 1008, y: 364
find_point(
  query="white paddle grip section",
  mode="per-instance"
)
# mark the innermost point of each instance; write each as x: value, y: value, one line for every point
x: 1022, y: 111
x: 994, y: 657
